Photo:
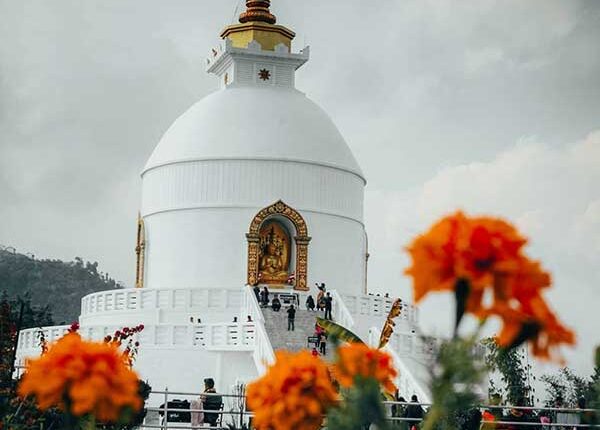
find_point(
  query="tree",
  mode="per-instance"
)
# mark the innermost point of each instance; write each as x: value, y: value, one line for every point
x: 566, y: 387
x: 52, y: 281
x: 515, y: 374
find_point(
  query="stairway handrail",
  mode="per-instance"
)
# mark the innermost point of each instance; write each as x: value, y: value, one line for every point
x: 341, y: 314
x: 263, y: 350
x: 251, y: 306
x: 403, y: 370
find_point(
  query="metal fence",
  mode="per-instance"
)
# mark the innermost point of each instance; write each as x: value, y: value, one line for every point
x: 232, y: 417
x: 234, y: 413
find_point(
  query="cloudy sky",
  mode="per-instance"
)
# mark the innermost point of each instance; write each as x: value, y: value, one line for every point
x: 491, y: 106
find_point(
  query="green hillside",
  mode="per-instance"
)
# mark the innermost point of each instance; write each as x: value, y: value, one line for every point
x: 56, y: 283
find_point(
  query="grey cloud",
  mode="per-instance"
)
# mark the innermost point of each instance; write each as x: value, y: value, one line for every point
x: 87, y: 87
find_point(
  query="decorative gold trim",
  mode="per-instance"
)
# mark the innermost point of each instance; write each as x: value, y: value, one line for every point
x: 302, y: 239
x: 140, y: 251
x: 257, y: 26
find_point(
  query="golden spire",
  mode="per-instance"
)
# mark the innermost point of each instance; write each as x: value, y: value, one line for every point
x: 258, y: 11
x: 257, y: 24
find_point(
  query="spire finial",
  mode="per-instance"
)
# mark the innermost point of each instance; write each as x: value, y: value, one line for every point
x: 258, y: 11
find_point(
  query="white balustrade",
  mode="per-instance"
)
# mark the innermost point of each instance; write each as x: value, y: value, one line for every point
x: 406, y: 382
x: 218, y: 337
x: 412, y: 345
x: 340, y: 313
x: 263, y: 350
x: 31, y: 338
x: 136, y: 299
x: 370, y: 305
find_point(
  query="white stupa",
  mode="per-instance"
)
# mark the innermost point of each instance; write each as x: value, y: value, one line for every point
x: 253, y: 185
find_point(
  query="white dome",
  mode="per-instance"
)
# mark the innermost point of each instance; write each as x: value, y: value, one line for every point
x: 258, y: 124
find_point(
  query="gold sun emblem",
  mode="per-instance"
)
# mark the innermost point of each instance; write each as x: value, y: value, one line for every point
x: 264, y: 74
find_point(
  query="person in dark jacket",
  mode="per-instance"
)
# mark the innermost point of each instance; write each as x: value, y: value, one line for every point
x: 275, y: 304
x: 211, y: 402
x: 310, y: 303
x: 328, y: 306
x: 398, y: 411
x: 323, y: 343
x: 414, y: 411
x: 264, y: 296
x: 291, y: 317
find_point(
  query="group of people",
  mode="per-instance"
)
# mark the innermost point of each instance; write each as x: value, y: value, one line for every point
x: 321, y: 336
x: 324, y: 302
x: 262, y: 295
x: 208, y: 401
x: 198, y: 412
x: 412, y: 413
x: 518, y: 417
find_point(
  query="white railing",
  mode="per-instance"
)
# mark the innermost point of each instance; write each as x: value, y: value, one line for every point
x: 136, y: 299
x: 219, y: 337
x: 30, y: 338
x: 340, y: 313
x: 411, y: 344
x: 263, y: 350
x: 425, y: 348
x: 406, y: 382
x: 370, y: 305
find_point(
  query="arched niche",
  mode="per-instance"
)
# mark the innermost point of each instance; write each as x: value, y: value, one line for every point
x: 285, y: 217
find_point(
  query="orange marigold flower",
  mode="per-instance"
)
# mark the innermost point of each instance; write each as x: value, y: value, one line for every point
x: 357, y: 359
x: 532, y: 321
x: 295, y: 393
x: 83, y: 377
x: 523, y: 284
x: 487, y: 254
x: 475, y: 249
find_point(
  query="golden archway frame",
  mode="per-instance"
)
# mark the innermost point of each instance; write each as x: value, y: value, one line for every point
x: 301, y: 239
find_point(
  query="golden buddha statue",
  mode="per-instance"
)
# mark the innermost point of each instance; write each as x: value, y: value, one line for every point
x: 274, y: 255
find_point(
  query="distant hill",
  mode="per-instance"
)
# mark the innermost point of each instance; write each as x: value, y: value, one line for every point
x: 56, y: 283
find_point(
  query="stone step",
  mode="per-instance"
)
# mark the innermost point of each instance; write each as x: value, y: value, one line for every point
x: 276, y: 324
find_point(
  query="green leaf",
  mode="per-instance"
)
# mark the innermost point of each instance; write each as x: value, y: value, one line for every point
x: 338, y: 331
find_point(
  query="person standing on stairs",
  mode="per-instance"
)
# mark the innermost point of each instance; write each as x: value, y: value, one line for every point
x: 323, y: 343
x: 265, y: 296
x: 291, y: 317
x: 328, y: 305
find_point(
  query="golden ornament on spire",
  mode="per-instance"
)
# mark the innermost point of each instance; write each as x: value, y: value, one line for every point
x: 257, y: 24
x: 258, y: 11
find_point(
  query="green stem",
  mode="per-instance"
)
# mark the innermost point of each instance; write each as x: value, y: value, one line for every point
x: 90, y: 424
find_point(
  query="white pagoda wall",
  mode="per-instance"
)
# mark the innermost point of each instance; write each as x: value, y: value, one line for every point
x: 184, y: 370
x: 197, y: 214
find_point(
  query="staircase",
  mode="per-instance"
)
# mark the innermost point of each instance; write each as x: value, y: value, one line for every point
x: 276, y: 326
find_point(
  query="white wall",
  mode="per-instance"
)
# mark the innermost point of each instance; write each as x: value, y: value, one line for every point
x: 207, y: 248
x: 252, y: 183
x: 185, y: 369
x: 198, y: 212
